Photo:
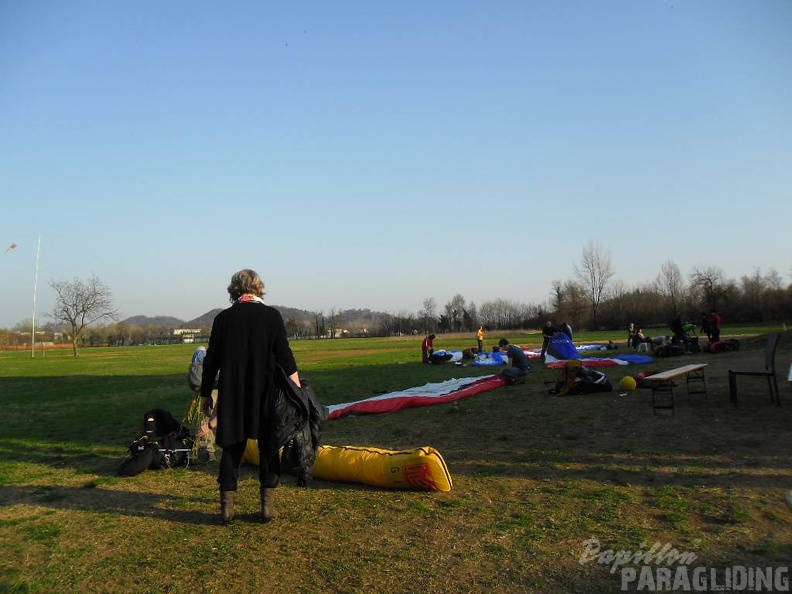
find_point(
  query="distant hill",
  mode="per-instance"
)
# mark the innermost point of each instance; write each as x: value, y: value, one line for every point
x: 159, y: 321
x: 169, y: 322
x: 204, y: 321
x: 364, y: 317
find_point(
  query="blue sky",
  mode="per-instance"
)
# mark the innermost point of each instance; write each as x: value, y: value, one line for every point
x: 364, y: 154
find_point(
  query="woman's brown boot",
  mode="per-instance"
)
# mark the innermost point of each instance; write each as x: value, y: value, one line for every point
x: 226, y: 507
x: 268, y: 512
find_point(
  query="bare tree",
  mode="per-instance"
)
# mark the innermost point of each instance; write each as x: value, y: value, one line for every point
x: 710, y: 286
x: 773, y: 280
x: 332, y: 321
x: 501, y: 314
x: 428, y: 314
x: 293, y: 327
x: 571, y: 302
x: 472, y: 315
x: 454, y: 310
x: 493, y: 313
x: 557, y: 296
x: 670, y: 284
x: 594, y: 273
x: 754, y: 290
x: 319, y: 324
x: 82, y: 303
x: 403, y: 323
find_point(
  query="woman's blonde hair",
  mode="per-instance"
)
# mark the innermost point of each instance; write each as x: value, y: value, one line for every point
x: 246, y: 281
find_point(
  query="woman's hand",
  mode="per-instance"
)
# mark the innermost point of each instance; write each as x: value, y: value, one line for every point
x: 209, y: 427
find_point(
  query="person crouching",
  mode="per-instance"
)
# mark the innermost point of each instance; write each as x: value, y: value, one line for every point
x: 518, y: 363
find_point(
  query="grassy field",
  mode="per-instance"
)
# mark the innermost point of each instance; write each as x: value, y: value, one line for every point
x: 535, y: 477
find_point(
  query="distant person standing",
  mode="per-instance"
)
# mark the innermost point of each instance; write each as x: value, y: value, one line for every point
x: 480, y: 339
x: 631, y: 331
x: 640, y: 337
x: 715, y: 325
x: 547, y: 333
x: 427, y: 348
x: 705, y: 327
x: 518, y: 363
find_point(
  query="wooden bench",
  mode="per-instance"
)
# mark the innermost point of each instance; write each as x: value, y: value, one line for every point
x: 663, y: 385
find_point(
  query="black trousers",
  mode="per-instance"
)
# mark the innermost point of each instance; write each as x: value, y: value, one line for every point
x: 231, y: 461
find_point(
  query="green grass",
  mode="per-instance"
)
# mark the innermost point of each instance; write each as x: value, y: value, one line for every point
x: 534, y: 477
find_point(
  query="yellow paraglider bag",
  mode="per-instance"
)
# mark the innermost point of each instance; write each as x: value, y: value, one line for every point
x: 422, y: 468
x: 251, y: 455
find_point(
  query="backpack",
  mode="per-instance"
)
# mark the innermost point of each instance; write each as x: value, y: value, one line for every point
x: 195, y: 372
x: 668, y: 350
x: 163, y: 443
x: 722, y: 346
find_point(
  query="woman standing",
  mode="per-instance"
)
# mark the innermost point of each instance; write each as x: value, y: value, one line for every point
x: 247, y: 342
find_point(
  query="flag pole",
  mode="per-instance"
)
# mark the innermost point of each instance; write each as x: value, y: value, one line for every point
x: 35, y: 286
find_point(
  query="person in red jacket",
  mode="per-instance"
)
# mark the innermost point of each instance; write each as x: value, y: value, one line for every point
x: 427, y: 348
x: 715, y: 325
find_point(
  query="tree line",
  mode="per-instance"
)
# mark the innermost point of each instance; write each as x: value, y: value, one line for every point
x: 590, y: 298
x: 84, y: 313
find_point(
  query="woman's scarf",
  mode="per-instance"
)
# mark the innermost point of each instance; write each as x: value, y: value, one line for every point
x: 250, y: 298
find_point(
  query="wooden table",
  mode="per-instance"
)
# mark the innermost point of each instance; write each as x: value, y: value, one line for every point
x: 663, y: 385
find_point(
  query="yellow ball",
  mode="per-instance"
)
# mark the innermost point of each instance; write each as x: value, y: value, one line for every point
x: 627, y: 383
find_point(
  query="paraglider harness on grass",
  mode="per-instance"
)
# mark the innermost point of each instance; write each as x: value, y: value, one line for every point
x: 163, y: 443
x: 576, y: 379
